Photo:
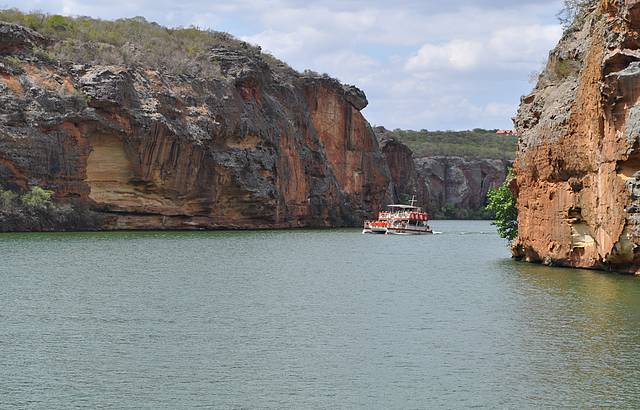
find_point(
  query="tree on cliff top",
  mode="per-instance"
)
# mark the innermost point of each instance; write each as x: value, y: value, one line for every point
x: 503, y: 204
x: 571, y: 11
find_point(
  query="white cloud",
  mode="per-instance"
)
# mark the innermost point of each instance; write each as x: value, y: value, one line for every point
x: 494, y: 109
x: 500, y: 48
x: 349, y: 65
x: 457, y: 55
x: 289, y: 44
x: 523, y: 43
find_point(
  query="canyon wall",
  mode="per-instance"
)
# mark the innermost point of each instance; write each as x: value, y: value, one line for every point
x: 578, y: 165
x: 457, y: 187
x: 407, y: 182
x: 446, y: 186
x: 248, y: 148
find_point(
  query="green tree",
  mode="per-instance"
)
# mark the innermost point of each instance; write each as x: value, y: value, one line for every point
x: 60, y: 23
x: 503, y: 204
x: 37, y: 198
x: 7, y: 199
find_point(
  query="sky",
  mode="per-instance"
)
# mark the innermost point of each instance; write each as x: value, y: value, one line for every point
x: 424, y: 64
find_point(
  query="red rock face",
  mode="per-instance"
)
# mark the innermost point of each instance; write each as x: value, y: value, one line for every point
x: 350, y: 145
x: 578, y: 164
x: 152, y: 151
x: 407, y: 182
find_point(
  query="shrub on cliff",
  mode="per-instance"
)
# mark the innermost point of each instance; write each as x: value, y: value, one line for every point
x: 503, y: 204
x: 7, y: 199
x: 35, y: 210
x: 134, y: 41
x: 456, y: 212
x: 37, y: 198
x: 477, y: 143
x: 573, y: 11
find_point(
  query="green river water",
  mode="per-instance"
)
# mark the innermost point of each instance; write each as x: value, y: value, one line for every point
x: 303, y: 319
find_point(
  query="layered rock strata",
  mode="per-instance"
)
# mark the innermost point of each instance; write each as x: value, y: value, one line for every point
x: 250, y: 148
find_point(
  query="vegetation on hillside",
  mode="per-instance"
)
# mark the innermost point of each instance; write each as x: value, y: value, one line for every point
x: 35, y: 210
x: 573, y: 11
x: 477, y: 143
x: 133, y: 41
x: 503, y: 204
x: 458, y: 212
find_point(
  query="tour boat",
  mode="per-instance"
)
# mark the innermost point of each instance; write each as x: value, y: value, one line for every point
x: 400, y: 220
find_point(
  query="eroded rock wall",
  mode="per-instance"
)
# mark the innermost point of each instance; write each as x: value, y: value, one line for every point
x: 459, y: 186
x: 407, y: 183
x: 250, y: 148
x: 451, y: 187
x: 578, y: 165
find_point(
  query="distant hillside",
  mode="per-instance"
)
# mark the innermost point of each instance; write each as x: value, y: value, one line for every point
x: 473, y: 144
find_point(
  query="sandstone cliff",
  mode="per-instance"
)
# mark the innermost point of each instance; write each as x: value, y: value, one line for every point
x: 407, y: 182
x: 245, y: 148
x: 457, y: 187
x: 446, y: 186
x: 578, y: 165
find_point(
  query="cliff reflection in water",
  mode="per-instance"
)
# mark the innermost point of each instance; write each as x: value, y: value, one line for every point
x: 579, y: 328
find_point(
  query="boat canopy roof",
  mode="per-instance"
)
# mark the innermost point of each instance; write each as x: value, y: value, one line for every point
x: 402, y: 207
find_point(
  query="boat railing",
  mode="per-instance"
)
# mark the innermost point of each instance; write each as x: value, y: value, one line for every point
x: 400, y: 215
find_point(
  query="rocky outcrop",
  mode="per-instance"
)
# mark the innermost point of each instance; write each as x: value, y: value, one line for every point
x: 407, y: 183
x: 446, y: 186
x: 578, y: 163
x: 16, y: 39
x: 355, y: 97
x: 457, y: 186
x: 248, y: 148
